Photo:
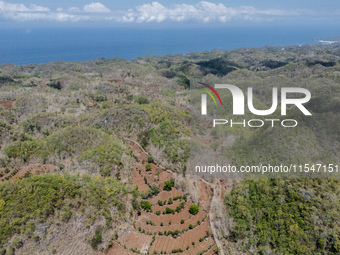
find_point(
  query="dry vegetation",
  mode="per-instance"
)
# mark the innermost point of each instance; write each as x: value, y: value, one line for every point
x: 83, y: 187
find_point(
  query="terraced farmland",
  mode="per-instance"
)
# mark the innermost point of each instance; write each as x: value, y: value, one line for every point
x: 168, y: 227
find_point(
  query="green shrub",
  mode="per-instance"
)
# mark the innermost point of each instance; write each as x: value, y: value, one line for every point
x: 170, y: 201
x: 183, y: 80
x: 17, y: 243
x: 54, y: 84
x: 142, y: 100
x: 167, y: 186
x: 154, y: 189
x: 168, y: 210
x: 321, y: 243
x: 96, y: 239
x: 146, y: 205
x: 193, y: 209
x: 66, y: 216
x: 23, y: 150
x: 150, y: 159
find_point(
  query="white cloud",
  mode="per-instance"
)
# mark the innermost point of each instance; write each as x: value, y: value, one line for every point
x: 21, y: 12
x: 73, y: 9
x: 202, y: 11
x: 8, y: 7
x: 60, y: 17
x: 151, y: 12
x: 96, y: 7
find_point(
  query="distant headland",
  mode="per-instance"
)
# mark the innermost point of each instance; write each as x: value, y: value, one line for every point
x: 329, y: 40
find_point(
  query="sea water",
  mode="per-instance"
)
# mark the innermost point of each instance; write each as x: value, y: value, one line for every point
x: 40, y: 45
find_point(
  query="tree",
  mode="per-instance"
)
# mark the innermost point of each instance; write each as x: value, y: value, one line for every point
x: 146, y: 205
x: 183, y: 81
x: 96, y: 239
x: 154, y: 189
x: 2, y: 204
x: 167, y: 185
x: 150, y: 159
x: 142, y: 100
x: 55, y: 84
x: 193, y: 209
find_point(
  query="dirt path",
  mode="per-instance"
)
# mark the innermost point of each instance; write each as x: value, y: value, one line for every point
x: 214, y: 203
x: 140, y: 147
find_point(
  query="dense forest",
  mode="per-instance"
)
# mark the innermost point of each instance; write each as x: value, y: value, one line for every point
x: 66, y: 130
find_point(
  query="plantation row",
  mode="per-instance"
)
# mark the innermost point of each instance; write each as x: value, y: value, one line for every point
x: 167, y: 221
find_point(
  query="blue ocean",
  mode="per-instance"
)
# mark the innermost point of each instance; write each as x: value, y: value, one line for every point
x: 40, y: 45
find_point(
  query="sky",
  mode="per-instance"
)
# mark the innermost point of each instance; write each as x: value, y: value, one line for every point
x: 167, y: 13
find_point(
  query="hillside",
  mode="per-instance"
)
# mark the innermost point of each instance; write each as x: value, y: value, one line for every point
x: 94, y: 156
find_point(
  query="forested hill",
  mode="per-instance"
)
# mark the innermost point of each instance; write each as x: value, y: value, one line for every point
x: 67, y: 163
